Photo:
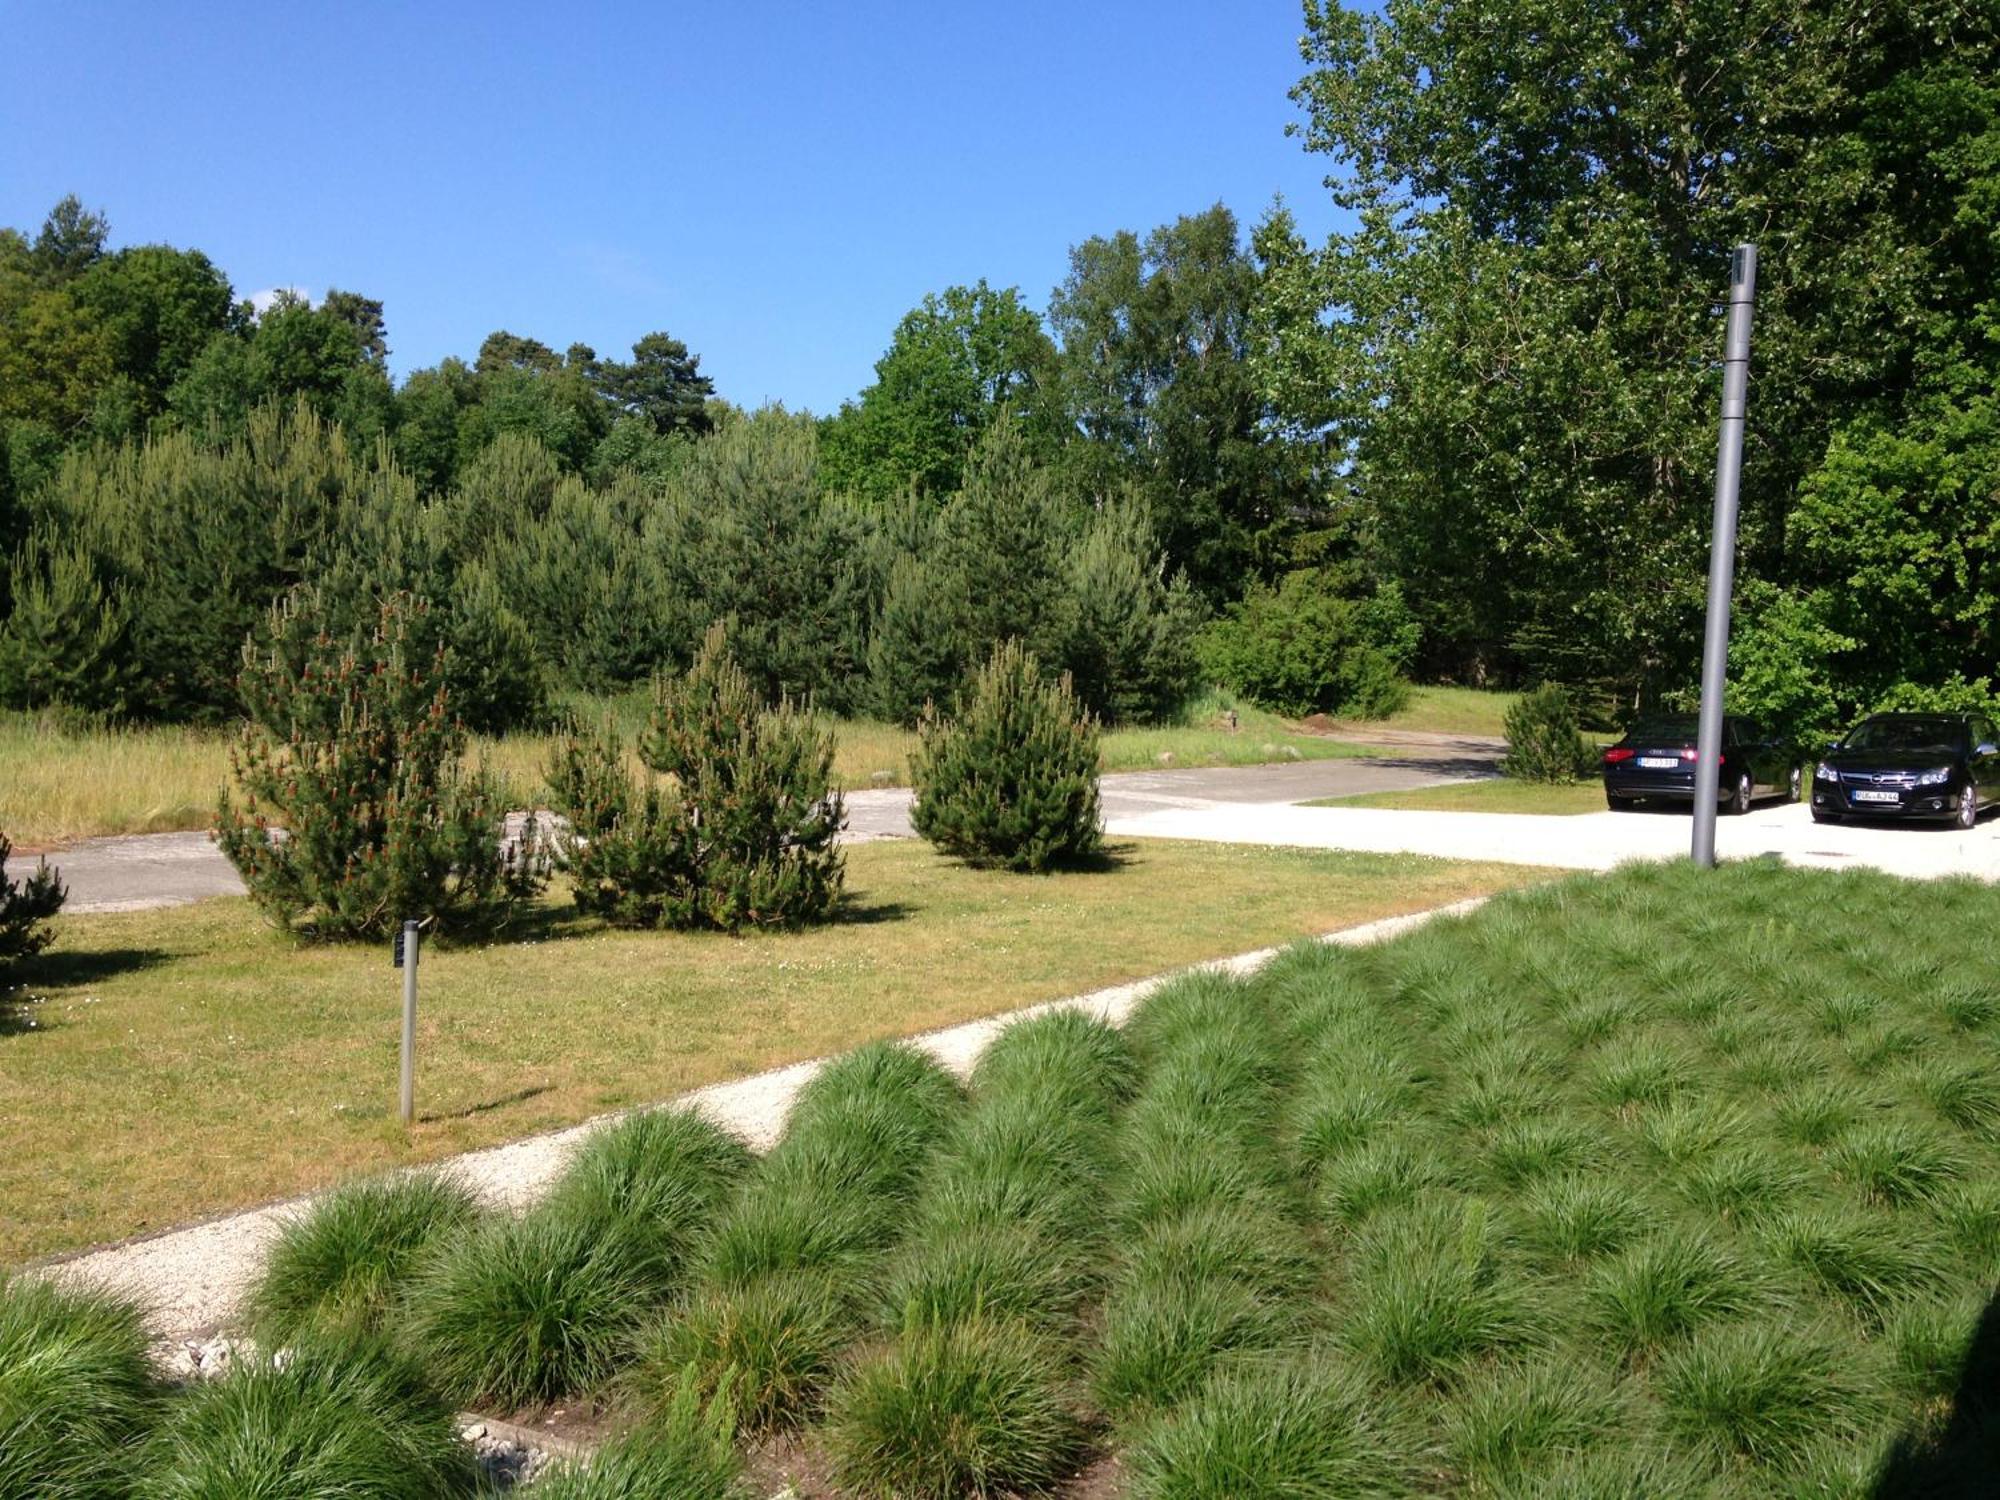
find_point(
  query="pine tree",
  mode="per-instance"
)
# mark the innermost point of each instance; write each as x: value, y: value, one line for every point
x: 26, y: 908
x: 356, y: 811
x: 67, y: 641
x: 1012, y: 781
x: 1128, y: 631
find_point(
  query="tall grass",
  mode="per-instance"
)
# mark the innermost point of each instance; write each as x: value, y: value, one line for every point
x: 76, y: 1392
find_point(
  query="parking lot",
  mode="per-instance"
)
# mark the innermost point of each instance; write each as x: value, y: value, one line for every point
x: 1588, y: 841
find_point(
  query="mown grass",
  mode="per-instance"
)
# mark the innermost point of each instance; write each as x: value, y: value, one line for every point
x: 159, y: 1066
x: 1497, y: 794
x: 1442, y: 709
x: 58, y: 785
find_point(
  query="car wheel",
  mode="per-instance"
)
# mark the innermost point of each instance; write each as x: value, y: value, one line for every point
x: 1968, y: 806
x: 1795, y: 785
x: 1740, y: 803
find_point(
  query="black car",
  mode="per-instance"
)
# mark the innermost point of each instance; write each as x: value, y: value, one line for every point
x: 1655, y: 762
x: 1910, y: 766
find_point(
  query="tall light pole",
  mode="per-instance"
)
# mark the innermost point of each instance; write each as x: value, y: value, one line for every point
x: 1722, y: 550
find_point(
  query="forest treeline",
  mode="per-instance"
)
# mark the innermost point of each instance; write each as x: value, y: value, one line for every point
x: 1470, y: 438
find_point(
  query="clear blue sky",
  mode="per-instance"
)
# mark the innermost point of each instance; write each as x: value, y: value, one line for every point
x: 776, y: 184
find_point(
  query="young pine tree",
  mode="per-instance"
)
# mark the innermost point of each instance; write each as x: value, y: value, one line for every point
x: 356, y: 810
x: 1012, y: 781
x: 26, y: 907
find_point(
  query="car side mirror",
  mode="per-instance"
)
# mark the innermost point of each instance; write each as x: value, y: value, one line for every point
x: 1987, y: 747
x: 1832, y: 747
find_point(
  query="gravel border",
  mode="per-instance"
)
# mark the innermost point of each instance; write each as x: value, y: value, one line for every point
x: 189, y: 1279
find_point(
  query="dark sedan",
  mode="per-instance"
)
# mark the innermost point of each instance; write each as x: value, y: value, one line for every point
x: 1943, y: 766
x: 1655, y: 762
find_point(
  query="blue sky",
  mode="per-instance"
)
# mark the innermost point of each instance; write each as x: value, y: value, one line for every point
x: 774, y: 183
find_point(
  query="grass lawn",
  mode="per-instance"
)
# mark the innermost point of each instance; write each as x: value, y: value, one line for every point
x: 159, y: 1066
x: 1497, y: 795
x: 1446, y: 710
x: 57, y: 786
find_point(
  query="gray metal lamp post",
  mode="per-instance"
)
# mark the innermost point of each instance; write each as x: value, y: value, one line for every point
x: 1722, y: 551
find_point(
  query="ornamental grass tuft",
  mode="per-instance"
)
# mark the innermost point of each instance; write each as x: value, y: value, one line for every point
x: 76, y: 1392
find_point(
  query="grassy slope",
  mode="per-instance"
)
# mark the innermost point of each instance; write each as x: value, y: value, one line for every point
x: 1496, y: 796
x: 1446, y: 710
x: 162, y: 1065
x: 56, y: 787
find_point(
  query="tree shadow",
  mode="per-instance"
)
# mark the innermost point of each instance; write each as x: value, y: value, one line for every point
x: 1963, y: 1457
x: 853, y: 912
x: 68, y: 969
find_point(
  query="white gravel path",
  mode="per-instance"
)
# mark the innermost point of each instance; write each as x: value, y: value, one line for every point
x: 189, y: 1279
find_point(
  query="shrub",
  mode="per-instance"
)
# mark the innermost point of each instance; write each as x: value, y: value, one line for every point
x: 1307, y: 647
x: 1544, y: 740
x: 356, y: 756
x: 978, y: 1408
x: 339, y: 1266
x: 746, y: 838
x: 76, y: 1392
x: 26, y: 907
x: 319, y: 1422
x: 687, y: 1452
x: 1012, y: 781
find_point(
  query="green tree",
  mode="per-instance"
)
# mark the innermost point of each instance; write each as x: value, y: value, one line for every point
x: 1512, y: 356
x: 1156, y: 374
x: 663, y: 384
x: 962, y: 361
x: 27, y: 907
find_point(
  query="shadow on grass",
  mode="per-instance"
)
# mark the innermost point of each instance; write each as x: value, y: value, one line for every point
x: 484, y: 1107
x: 1963, y: 1457
x: 67, y: 969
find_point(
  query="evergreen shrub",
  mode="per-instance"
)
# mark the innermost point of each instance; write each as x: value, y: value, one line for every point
x: 1310, y: 645
x: 1544, y: 740
x: 356, y: 810
x: 26, y: 906
x: 1011, y: 782
x: 744, y: 836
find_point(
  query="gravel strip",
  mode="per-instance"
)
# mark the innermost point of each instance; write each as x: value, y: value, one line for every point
x: 190, y: 1279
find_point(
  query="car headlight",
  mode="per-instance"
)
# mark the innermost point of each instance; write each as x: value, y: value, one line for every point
x: 1934, y: 778
x: 1826, y: 773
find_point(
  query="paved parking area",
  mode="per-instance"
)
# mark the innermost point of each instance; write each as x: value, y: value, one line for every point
x: 1587, y: 841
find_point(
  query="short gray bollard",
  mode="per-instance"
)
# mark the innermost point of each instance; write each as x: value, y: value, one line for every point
x: 407, y: 942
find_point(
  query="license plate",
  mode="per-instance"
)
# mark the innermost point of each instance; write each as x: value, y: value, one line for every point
x: 1659, y: 762
x: 1878, y: 796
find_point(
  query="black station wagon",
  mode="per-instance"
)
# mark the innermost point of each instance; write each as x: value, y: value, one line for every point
x: 1938, y: 766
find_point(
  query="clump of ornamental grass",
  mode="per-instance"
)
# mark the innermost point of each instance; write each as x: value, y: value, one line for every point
x: 1015, y: 1158
x: 1426, y: 1292
x: 1580, y: 1217
x: 1644, y: 1073
x: 978, y: 1408
x: 1930, y: 1342
x: 1337, y: 1112
x: 1194, y: 1007
x: 764, y: 1350
x: 1967, y: 1007
x: 667, y: 1170
x: 341, y: 1266
x: 1969, y: 1216
x: 1684, y: 1131
x: 1858, y: 1258
x: 878, y: 1071
x: 789, y: 1225
x: 1271, y: 1429
x: 1894, y: 1161
x: 1249, y: 1244
x: 1524, y: 1151
x: 1812, y: 1113
x: 1066, y: 1061
x: 687, y: 1451
x: 520, y: 1311
x: 1174, y: 1176
x: 1741, y: 1182
x: 1666, y: 1286
x: 1161, y: 1337
x: 1767, y: 1392
x: 1381, y: 1175
x: 1962, y: 1094
x: 1515, y: 1421
x: 1014, y: 1271
x: 1839, y: 1013
x: 76, y: 1391
x: 1873, y: 1049
x: 344, y: 1419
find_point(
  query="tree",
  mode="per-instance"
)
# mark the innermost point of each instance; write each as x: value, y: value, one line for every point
x: 1011, y: 780
x: 1156, y: 374
x: 26, y: 908
x: 355, y: 754
x: 962, y: 361
x: 663, y: 384
x: 72, y: 238
x: 1512, y: 356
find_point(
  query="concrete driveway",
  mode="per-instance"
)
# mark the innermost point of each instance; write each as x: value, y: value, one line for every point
x: 1588, y: 841
x: 171, y: 869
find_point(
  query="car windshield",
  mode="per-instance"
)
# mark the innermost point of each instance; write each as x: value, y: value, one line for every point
x: 1919, y: 732
x: 1663, y: 729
